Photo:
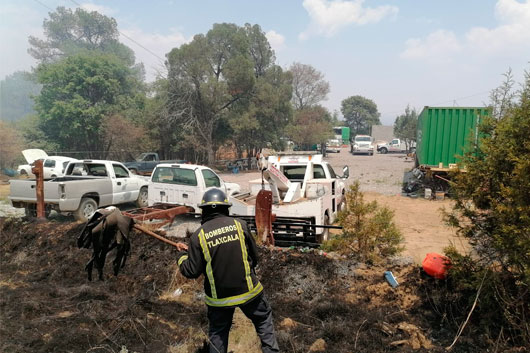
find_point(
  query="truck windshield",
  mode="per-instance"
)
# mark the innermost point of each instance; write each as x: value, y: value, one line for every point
x: 297, y: 172
x: 363, y: 139
x: 332, y: 172
x: 171, y: 175
x: 94, y: 169
x: 146, y: 157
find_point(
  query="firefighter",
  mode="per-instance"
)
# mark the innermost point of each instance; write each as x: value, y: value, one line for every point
x: 225, y: 252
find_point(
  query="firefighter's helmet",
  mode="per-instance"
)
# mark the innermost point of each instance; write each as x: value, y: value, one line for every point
x: 213, y: 198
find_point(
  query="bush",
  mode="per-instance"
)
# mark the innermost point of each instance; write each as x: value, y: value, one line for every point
x: 368, y: 229
x: 492, y: 210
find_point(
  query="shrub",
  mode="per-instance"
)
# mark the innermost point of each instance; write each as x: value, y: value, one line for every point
x: 368, y: 229
x: 492, y: 210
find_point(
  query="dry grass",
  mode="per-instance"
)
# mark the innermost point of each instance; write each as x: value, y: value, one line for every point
x: 243, y: 337
x: 181, y: 289
x: 4, y: 191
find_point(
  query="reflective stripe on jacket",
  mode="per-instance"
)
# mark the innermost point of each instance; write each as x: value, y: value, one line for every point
x: 224, y: 251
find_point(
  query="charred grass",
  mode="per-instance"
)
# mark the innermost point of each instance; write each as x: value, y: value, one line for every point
x: 47, y: 304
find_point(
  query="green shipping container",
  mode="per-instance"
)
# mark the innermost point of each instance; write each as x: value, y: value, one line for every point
x: 443, y: 133
x: 346, y: 135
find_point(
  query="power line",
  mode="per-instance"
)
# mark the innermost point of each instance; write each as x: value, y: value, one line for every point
x: 43, y: 4
x: 461, y: 98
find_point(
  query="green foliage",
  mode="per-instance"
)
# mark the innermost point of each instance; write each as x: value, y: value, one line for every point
x: 16, y: 92
x: 70, y: 32
x: 405, y: 126
x: 310, y: 126
x: 492, y: 209
x: 224, y: 86
x: 33, y: 136
x: 360, y: 113
x: 368, y: 229
x: 262, y: 118
x: 77, y: 93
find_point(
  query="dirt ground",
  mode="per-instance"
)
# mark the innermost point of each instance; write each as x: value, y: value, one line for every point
x: 321, y: 304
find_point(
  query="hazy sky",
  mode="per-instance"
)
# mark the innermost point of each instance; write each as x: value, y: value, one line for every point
x: 417, y: 52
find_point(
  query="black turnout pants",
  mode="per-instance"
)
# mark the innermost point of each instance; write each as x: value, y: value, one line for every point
x: 257, y: 310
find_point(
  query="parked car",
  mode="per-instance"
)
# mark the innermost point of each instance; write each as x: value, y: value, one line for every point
x: 54, y: 166
x: 86, y: 186
x: 333, y: 146
x: 146, y: 162
x: 363, y: 144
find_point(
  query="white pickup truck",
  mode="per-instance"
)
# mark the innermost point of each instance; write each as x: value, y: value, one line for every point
x: 395, y: 146
x: 86, y: 186
x: 303, y: 186
x: 184, y: 184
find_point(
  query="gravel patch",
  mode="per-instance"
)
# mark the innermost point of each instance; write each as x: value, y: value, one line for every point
x: 6, y: 210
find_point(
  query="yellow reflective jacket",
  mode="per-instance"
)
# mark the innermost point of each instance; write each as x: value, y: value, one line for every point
x: 224, y: 251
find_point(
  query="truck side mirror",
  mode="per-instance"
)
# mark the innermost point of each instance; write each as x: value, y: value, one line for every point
x: 345, y: 172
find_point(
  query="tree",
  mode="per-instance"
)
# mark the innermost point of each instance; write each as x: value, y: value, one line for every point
x: 360, y: 113
x: 77, y: 93
x: 68, y: 32
x: 492, y: 210
x: 16, y: 92
x: 310, y: 126
x: 261, y: 120
x: 503, y: 97
x: 33, y: 136
x: 122, y: 139
x: 10, y: 145
x: 309, y: 87
x: 216, y: 72
x: 166, y: 115
x: 369, y: 231
x: 405, y: 126
x: 259, y: 48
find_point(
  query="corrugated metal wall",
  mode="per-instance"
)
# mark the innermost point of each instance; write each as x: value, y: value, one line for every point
x: 444, y: 133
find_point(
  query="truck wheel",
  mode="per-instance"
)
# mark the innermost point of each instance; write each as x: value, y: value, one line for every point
x: 383, y: 150
x: 87, y: 207
x: 133, y: 171
x: 31, y: 212
x: 322, y: 237
x: 141, y: 201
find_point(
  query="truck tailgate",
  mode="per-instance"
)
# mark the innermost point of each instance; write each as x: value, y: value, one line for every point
x: 24, y: 190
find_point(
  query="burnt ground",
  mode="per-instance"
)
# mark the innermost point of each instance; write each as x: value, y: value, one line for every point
x: 48, y: 305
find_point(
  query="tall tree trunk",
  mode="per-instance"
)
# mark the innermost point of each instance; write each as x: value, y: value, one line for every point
x: 250, y: 149
x: 211, y: 152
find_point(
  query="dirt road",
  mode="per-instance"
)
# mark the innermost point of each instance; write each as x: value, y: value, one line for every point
x: 381, y: 177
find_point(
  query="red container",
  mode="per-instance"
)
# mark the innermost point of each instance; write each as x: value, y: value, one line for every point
x: 436, y: 265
